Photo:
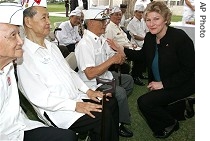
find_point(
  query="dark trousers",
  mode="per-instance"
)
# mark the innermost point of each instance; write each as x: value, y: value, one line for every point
x: 85, y: 4
x: 49, y: 134
x: 138, y: 68
x: 73, y: 4
x: 157, y: 108
x: 67, y: 7
x: 93, y: 125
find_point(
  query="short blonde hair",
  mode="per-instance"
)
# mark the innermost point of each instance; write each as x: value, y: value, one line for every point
x: 161, y: 8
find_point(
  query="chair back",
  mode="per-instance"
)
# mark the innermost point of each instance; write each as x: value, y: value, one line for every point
x: 72, y: 61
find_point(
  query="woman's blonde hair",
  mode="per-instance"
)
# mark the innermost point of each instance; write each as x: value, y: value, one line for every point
x: 161, y: 8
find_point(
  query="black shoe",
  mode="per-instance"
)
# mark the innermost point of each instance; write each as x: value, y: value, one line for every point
x: 125, y: 132
x: 143, y: 77
x: 138, y: 81
x: 167, y: 131
x: 189, y: 111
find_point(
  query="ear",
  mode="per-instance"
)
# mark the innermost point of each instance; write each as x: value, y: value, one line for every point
x: 28, y: 22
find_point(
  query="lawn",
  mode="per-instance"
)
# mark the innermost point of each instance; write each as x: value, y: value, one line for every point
x: 138, y: 125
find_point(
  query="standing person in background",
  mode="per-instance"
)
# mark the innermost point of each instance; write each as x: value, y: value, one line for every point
x: 67, y: 7
x: 123, y: 21
x: 69, y: 35
x: 73, y: 4
x: 170, y: 58
x: 123, y: 8
x: 85, y: 4
x: 189, y: 11
x: 14, y: 125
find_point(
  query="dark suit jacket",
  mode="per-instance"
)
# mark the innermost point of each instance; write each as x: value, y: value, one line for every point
x: 176, y: 58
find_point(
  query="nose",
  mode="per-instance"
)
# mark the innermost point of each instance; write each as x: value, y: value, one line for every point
x: 19, y: 40
x: 48, y: 20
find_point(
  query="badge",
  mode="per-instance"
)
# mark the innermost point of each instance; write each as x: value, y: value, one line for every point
x: 9, y: 81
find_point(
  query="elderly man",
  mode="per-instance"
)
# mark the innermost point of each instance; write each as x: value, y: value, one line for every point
x: 94, y: 57
x: 14, y: 125
x: 137, y: 26
x: 69, y: 34
x: 113, y: 31
x: 57, y: 93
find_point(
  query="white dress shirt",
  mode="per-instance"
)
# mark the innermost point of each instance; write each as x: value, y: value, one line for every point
x: 68, y: 34
x: 114, y: 31
x: 92, y: 51
x: 50, y: 84
x: 13, y: 121
x: 139, y: 28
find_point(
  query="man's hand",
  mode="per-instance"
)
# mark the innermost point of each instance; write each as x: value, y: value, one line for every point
x: 94, y: 95
x: 87, y: 107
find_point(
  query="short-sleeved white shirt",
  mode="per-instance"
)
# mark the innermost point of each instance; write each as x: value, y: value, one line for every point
x: 113, y: 31
x: 92, y: 51
x: 68, y: 34
x: 137, y: 27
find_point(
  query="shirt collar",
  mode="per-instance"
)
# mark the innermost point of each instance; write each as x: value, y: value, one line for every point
x: 33, y: 47
x: 6, y: 69
x: 92, y: 35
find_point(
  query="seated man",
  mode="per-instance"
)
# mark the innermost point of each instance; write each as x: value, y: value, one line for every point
x: 56, y: 92
x: 138, y: 30
x: 113, y: 31
x: 14, y: 125
x: 69, y: 34
x: 94, y: 57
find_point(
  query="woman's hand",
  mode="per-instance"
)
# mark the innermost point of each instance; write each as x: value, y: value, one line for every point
x: 155, y: 85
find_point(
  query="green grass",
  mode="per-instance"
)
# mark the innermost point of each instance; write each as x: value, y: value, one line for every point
x: 141, y: 130
x: 58, y: 7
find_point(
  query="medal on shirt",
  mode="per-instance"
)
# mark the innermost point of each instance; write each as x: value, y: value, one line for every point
x: 8, y: 80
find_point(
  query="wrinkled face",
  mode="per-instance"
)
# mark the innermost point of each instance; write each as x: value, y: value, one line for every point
x: 100, y: 26
x: 40, y: 22
x: 155, y: 22
x: 116, y: 17
x: 10, y: 42
x: 75, y: 20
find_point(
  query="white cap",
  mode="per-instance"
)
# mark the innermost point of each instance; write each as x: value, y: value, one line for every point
x: 115, y: 9
x: 11, y: 13
x: 98, y: 12
x: 75, y: 12
x: 139, y: 7
x: 30, y: 3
